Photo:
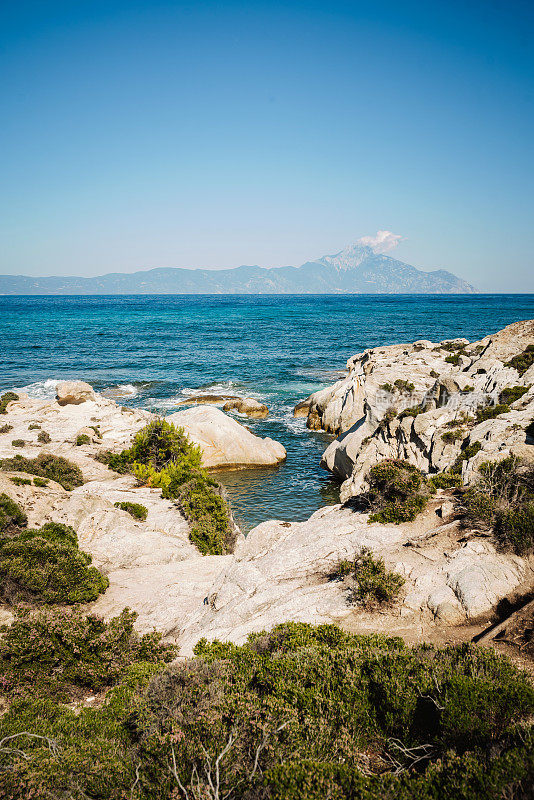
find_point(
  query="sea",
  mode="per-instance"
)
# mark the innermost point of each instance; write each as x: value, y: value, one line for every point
x: 155, y: 351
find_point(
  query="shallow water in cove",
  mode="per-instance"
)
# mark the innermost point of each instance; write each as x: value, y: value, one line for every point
x: 153, y: 351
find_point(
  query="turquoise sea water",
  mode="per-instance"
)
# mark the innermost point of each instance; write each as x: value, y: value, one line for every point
x: 279, y: 349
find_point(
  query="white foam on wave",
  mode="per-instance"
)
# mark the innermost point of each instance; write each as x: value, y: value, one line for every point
x: 41, y: 390
x: 121, y: 390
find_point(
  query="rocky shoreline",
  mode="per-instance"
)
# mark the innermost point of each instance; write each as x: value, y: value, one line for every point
x: 282, y: 571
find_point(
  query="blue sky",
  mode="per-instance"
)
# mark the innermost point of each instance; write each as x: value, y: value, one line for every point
x: 143, y: 134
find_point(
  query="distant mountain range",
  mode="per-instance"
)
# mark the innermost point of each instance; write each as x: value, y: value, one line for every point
x: 358, y: 269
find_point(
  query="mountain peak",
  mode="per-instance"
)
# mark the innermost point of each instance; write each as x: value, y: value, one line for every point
x: 349, y: 258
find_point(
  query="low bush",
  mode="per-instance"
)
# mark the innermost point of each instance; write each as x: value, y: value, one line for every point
x: 82, y: 438
x: 6, y: 428
x: 404, y: 386
x: 12, y: 516
x: 375, y: 584
x: 46, y: 566
x: 414, y: 411
x: 5, y: 399
x: 397, y: 491
x: 490, y: 412
x: 453, y: 359
x: 34, y: 426
x: 445, y: 480
x: 18, y: 443
x: 512, y: 393
x: 44, y: 437
x: 514, y: 528
x: 467, y: 452
x: 523, y: 360
x: 55, y: 653
x: 299, y: 712
x: 18, y: 481
x: 502, y: 499
x: 450, y: 437
x: 41, y: 482
x: 161, y: 456
x: 136, y: 510
x: 54, y: 468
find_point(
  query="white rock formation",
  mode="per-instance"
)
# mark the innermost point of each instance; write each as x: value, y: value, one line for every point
x: 224, y: 441
x: 247, y: 406
x: 366, y: 407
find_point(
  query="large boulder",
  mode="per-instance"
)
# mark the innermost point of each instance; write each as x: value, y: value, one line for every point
x: 74, y: 393
x: 247, y: 406
x: 224, y: 441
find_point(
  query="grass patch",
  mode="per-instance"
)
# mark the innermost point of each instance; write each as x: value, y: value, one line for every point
x: 18, y: 443
x: 375, y: 585
x: 34, y: 426
x: 82, y: 438
x: 6, y: 428
x: 53, y: 468
x: 445, y: 480
x: 414, y: 411
x: 5, y: 399
x: 161, y: 456
x: 523, y: 360
x: 44, y: 437
x: 46, y: 566
x: 136, y: 510
x: 453, y: 359
x: 41, y: 482
x: 299, y: 712
x: 397, y: 492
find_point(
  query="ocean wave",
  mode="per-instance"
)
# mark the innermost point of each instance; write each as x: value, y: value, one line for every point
x: 124, y: 390
x: 41, y: 390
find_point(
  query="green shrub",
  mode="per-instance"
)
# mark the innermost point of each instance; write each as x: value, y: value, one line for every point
x: 466, y: 453
x: 82, y: 438
x: 445, y: 480
x: 414, y: 411
x: 468, y: 388
x: 18, y: 481
x: 450, y: 437
x: 46, y: 566
x: 11, y: 514
x: 5, y: 399
x: 41, y: 482
x: 522, y: 361
x: 397, y: 492
x: 56, y: 652
x: 453, y: 359
x: 54, y: 468
x: 44, y: 437
x: 404, y: 386
x: 299, y: 712
x: 490, y: 412
x: 162, y: 457
x: 375, y: 584
x: 6, y: 428
x: 512, y: 393
x: 135, y: 509
x: 514, y: 528
x: 34, y: 426
x: 386, y: 387
x: 18, y: 443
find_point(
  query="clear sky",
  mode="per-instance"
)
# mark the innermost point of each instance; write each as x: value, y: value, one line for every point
x: 203, y: 134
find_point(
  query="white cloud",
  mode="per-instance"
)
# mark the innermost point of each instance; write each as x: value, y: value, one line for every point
x: 382, y: 242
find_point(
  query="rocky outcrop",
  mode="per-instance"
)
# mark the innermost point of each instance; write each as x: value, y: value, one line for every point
x: 419, y: 402
x: 247, y: 406
x: 74, y: 392
x: 224, y: 442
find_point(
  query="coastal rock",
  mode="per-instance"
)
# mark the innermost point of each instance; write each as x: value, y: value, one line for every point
x: 247, y: 406
x: 419, y: 402
x: 302, y: 409
x: 73, y: 392
x: 224, y: 442
x: 207, y: 399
